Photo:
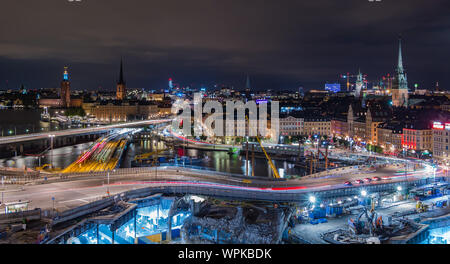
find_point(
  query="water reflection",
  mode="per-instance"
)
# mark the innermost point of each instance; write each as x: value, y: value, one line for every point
x: 215, y: 160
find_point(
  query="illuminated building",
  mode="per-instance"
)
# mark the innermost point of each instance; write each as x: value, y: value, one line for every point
x: 170, y: 84
x: 363, y: 123
x: 359, y: 84
x: 417, y: 137
x: 339, y: 127
x: 122, y: 112
x: 389, y: 137
x: 65, y: 89
x: 441, y: 138
x: 400, y: 84
x: 63, y: 100
x: 291, y: 126
x: 317, y: 126
x: 333, y: 87
x: 445, y: 107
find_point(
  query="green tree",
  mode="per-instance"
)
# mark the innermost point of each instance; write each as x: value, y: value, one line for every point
x: 75, y: 111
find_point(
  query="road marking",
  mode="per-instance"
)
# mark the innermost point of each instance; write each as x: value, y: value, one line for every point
x: 81, y: 200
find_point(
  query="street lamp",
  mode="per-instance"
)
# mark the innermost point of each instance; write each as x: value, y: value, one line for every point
x: 312, y: 199
x: 363, y: 193
x: 399, y: 188
x: 107, y: 186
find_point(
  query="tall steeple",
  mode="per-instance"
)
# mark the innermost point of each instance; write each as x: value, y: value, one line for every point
x: 121, y: 92
x: 247, y: 83
x: 121, y: 80
x: 400, y: 59
x: 400, y: 84
x: 359, y: 84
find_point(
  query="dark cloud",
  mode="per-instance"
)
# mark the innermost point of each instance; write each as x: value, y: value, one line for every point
x: 282, y: 44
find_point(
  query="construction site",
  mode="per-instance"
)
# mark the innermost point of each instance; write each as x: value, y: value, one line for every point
x: 407, y: 216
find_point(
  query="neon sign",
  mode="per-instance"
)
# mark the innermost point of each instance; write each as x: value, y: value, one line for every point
x: 438, y: 125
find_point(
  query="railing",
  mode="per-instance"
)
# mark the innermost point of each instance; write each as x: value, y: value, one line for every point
x: 8, y: 176
x: 18, y: 216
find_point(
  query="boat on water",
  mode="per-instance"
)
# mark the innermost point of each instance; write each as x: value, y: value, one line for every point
x: 45, y: 117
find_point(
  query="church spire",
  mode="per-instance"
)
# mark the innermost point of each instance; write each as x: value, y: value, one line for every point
x: 400, y: 85
x: 400, y: 59
x: 121, y: 91
x: 121, y: 80
x: 247, y: 83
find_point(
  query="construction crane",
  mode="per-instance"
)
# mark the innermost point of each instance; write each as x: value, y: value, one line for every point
x: 348, y: 76
x: 314, y: 160
x: 274, y: 169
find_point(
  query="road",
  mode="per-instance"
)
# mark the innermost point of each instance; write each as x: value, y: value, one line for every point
x: 104, y: 154
x: 69, y: 132
x: 85, y: 188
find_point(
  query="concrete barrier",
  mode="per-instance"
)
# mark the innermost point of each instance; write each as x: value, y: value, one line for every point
x: 83, y: 210
x: 34, y: 214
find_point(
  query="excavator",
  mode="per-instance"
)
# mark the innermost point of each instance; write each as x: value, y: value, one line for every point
x: 373, y: 220
x: 421, y: 207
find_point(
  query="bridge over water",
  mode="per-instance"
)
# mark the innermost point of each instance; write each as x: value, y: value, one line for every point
x: 36, y: 142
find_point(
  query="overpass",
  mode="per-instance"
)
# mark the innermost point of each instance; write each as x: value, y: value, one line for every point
x: 72, y: 132
x: 73, y: 190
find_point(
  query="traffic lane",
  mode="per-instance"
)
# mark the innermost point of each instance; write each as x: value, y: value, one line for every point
x: 82, y: 189
x: 30, y: 137
x: 73, y: 194
x: 68, y: 194
x: 256, y: 182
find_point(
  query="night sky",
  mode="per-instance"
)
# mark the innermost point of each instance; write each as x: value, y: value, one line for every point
x: 281, y: 44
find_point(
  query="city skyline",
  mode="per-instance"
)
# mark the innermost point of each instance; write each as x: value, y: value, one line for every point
x: 337, y: 40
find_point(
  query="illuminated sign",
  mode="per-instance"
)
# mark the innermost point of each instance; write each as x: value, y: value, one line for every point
x: 261, y: 101
x: 333, y: 87
x: 438, y: 125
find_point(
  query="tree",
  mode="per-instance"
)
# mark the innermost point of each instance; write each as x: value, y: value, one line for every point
x: 75, y: 111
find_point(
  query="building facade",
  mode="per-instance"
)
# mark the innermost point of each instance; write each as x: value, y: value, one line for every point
x: 418, y: 139
x: 317, y: 126
x: 441, y: 138
x: 123, y: 112
x: 339, y: 128
x: 389, y: 137
x: 291, y: 126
